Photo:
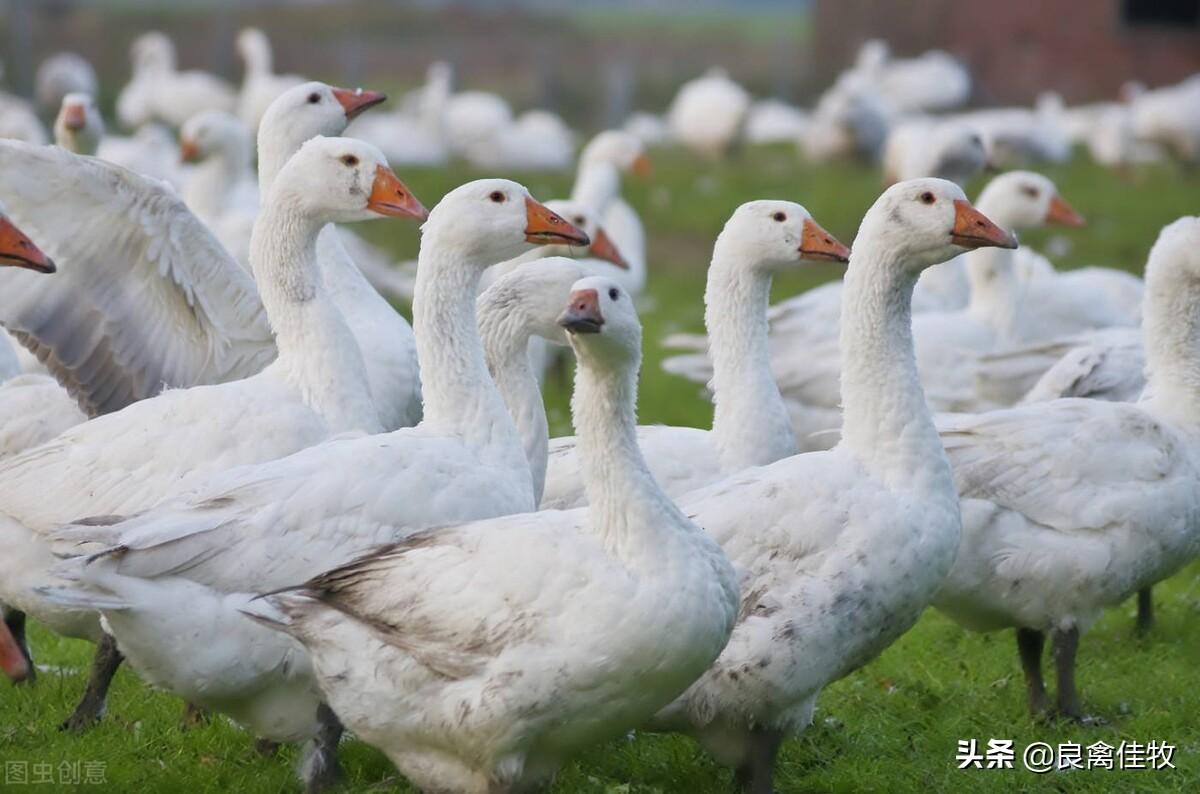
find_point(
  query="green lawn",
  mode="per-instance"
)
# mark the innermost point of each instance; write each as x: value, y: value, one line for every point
x: 891, y: 727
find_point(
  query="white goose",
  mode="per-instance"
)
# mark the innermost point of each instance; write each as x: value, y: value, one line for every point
x: 268, y: 525
x: 596, y: 188
x: 614, y: 611
x: 61, y: 75
x: 260, y: 85
x: 1071, y: 506
x: 708, y: 112
x: 317, y: 387
x: 260, y: 678
x: 840, y: 551
x: 927, y: 147
x: 79, y: 127
x: 159, y: 92
x: 750, y: 423
x: 222, y: 189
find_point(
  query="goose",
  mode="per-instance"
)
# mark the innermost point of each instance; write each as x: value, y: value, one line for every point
x: 537, y: 140
x: 708, y: 112
x: 260, y: 678
x: 61, y: 75
x: 925, y: 147
x: 774, y: 121
x: 838, y: 552
x: 159, y: 92
x: 595, y: 187
x: 317, y: 387
x: 413, y: 135
x: 1170, y: 118
x: 750, y: 422
x: 649, y: 128
x: 79, y: 127
x: 265, y: 526
x: 260, y: 85
x: 1017, y: 135
x: 1071, y: 506
x: 850, y: 120
x: 617, y: 609
x: 932, y: 81
x: 222, y: 190
x: 472, y: 117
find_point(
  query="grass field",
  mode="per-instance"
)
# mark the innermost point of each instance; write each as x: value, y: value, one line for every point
x: 890, y: 727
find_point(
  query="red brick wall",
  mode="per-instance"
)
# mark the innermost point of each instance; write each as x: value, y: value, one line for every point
x: 1015, y: 48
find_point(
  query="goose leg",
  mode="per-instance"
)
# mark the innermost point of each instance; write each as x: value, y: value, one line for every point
x: 1066, y: 644
x: 320, y: 768
x: 757, y: 774
x: 15, y: 621
x: 1029, y: 646
x: 1145, y: 610
x: 193, y: 715
x: 92, y: 705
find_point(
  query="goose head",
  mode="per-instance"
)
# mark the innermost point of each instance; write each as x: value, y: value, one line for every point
x: 622, y: 149
x: 1176, y: 252
x: 342, y: 180
x: 602, y: 246
x: 493, y: 220
x: 1027, y: 200
x: 17, y: 250
x: 212, y: 132
x: 961, y: 151
x: 775, y: 235
x: 12, y: 661
x: 602, y: 323
x: 79, y: 126
x: 922, y: 222
x: 255, y: 50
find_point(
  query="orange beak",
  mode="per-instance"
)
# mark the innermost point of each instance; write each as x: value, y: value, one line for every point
x: 972, y: 229
x: 391, y: 197
x: 12, y: 661
x: 189, y: 151
x: 74, y: 117
x: 356, y: 101
x: 582, y: 315
x: 816, y: 243
x: 17, y: 250
x: 1062, y: 213
x: 604, y: 248
x: 642, y: 167
x: 544, y: 226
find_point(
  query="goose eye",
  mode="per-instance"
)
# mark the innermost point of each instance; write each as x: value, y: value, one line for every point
x: 613, y: 294
x: 927, y: 197
x: 779, y: 217
x: 350, y: 160
x: 497, y: 196
x: 314, y: 98
x: 579, y: 220
x: 1030, y: 191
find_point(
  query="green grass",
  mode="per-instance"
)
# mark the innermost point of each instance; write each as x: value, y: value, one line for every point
x: 890, y: 727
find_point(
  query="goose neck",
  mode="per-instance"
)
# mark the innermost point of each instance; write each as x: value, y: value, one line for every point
x: 211, y: 184
x: 459, y: 394
x: 596, y: 185
x: 885, y: 422
x: 627, y: 509
x: 318, y: 355
x: 504, y: 331
x: 751, y: 426
x: 995, y: 289
x: 1171, y: 329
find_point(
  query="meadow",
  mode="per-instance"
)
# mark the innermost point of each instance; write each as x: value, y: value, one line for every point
x: 893, y: 726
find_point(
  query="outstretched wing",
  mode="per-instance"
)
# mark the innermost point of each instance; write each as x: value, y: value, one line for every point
x: 145, y: 296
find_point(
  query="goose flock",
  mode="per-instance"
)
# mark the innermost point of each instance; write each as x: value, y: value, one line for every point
x: 232, y: 465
